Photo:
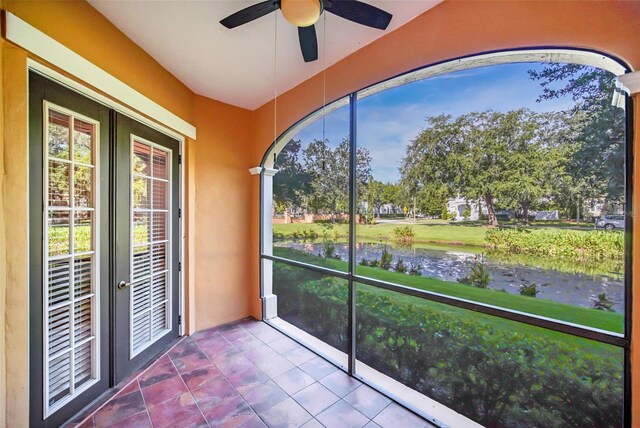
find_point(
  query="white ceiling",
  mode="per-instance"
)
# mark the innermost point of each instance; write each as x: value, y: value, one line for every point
x: 238, y: 66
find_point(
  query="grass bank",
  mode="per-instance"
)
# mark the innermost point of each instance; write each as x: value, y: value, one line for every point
x: 603, y: 320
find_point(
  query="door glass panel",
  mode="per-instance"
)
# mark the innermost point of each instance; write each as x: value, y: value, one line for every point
x: 59, y: 184
x: 150, y: 221
x: 82, y: 141
x: 70, y: 322
x: 58, y: 130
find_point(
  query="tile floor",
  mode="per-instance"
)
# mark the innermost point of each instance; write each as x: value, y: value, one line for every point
x: 247, y: 374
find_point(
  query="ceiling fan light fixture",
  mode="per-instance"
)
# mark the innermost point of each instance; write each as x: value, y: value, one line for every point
x: 301, y: 13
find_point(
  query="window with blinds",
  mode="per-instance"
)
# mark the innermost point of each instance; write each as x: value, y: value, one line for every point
x: 150, y: 220
x: 71, y: 351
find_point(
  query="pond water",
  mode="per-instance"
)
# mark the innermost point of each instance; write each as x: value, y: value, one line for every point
x: 562, y: 281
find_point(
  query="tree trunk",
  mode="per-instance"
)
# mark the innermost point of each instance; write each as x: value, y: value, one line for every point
x: 525, y: 212
x: 488, y: 200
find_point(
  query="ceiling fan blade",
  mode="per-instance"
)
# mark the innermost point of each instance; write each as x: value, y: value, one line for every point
x: 359, y: 12
x: 308, y: 43
x: 250, y: 13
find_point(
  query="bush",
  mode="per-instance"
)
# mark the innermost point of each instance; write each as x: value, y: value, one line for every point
x: 385, y: 260
x: 602, y: 302
x: 415, y: 269
x: 479, y: 275
x: 364, y: 262
x: 400, y: 267
x: 329, y: 248
x: 466, y: 213
x: 404, y: 234
x: 530, y: 290
x: 572, y: 244
x: 490, y: 372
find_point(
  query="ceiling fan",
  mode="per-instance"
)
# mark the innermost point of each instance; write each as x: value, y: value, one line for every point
x: 304, y: 14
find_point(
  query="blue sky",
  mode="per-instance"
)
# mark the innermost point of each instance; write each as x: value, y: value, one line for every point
x: 389, y: 120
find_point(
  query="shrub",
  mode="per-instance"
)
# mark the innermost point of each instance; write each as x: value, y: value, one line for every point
x: 491, y: 372
x: 466, y: 213
x: 365, y: 262
x: 400, y: 267
x: 563, y: 243
x: 404, y: 234
x: 602, y: 302
x: 329, y: 248
x: 478, y: 276
x: 530, y: 290
x: 415, y: 269
x: 385, y: 259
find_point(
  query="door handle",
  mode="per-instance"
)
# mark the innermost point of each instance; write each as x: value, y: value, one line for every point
x: 123, y: 284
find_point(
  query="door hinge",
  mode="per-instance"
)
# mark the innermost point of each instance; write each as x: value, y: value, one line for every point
x: 179, y: 212
x: 179, y: 266
x: 179, y: 319
x: 179, y: 159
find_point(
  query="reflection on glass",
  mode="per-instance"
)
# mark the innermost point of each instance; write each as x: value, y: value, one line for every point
x: 313, y: 302
x: 58, y: 130
x: 83, y: 185
x: 82, y: 141
x: 82, y: 231
x: 494, y: 371
x: 82, y: 275
x: 160, y: 164
x: 141, y: 192
x: 141, y: 227
x: 160, y: 195
x: 141, y: 158
x: 58, y: 231
x: 59, y: 195
x: 311, y: 192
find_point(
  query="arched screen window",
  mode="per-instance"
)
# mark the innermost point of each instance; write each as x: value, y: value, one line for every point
x: 458, y: 238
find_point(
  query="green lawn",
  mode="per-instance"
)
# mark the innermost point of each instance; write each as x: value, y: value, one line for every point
x: 424, y: 232
x: 609, y: 321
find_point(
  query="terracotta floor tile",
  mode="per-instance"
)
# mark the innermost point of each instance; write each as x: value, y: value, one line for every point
x: 299, y: 355
x: 318, y: 368
x: 222, y: 412
x: 367, y: 401
x: 263, y: 396
x: 163, y: 369
x: 248, y: 377
x: 163, y: 391
x: 139, y: 420
x: 340, y: 383
x: 343, y: 415
x: 199, y: 377
x: 173, y: 411
x: 395, y: 415
x: 275, y: 366
x: 120, y: 408
x: 214, y: 392
x: 197, y: 421
x: 293, y: 381
x: 315, y: 398
x: 286, y: 414
x: 196, y: 360
x: 283, y: 345
x: 185, y: 347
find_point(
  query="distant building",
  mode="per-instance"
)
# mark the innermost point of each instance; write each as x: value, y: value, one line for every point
x: 457, y: 207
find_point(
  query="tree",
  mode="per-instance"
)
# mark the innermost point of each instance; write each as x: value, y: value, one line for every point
x: 328, y: 170
x: 481, y: 155
x: 375, y: 190
x: 597, y: 164
x: 291, y: 184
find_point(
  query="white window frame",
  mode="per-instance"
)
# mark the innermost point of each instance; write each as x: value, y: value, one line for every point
x: 169, y: 241
x: 95, y: 286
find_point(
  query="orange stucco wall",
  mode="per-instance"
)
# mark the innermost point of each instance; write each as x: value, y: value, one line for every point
x: 461, y: 28
x: 223, y: 209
